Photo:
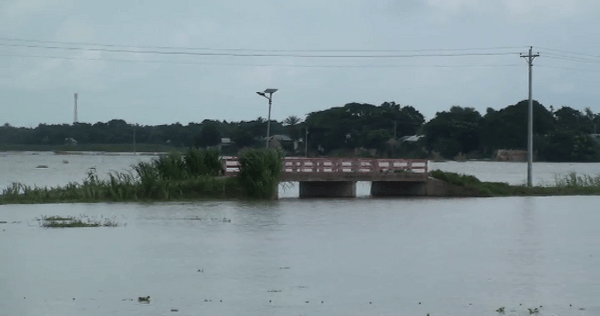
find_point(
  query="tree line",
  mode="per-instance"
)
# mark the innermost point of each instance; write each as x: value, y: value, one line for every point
x: 563, y: 134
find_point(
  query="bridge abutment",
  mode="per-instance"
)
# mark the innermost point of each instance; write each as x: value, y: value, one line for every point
x: 310, y: 189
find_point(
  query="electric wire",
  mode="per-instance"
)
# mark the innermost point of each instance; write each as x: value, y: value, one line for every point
x: 158, y: 52
x: 257, y: 50
x: 260, y: 65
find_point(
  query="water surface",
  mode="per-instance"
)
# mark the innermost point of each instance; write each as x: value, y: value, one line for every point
x: 359, y: 256
x: 362, y: 256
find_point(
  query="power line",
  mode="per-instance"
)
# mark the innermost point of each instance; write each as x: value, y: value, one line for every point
x: 260, y: 65
x: 569, y: 58
x: 112, y: 50
x: 260, y: 50
x: 569, y: 52
x: 568, y: 68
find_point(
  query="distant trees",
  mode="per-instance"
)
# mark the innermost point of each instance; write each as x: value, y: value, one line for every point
x: 361, y: 125
x: 507, y: 128
x: 291, y: 122
x: 209, y: 136
x: 455, y: 131
x: 559, y: 135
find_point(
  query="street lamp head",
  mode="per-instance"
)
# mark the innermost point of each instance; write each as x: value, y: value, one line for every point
x: 261, y: 94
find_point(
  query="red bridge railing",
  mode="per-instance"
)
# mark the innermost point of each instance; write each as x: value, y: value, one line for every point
x: 339, y: 165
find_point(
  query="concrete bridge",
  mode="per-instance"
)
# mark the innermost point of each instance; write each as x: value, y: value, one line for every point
x: 337, y: 177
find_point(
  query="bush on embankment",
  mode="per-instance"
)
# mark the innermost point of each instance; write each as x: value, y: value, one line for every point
x: 171, y: 177
x: 193, y: 175
x: 259, y: 172
x: 570, y: 184
x: 122, y: 187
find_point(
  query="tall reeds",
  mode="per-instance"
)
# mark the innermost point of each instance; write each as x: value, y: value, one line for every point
x: 174, y: 176
x: 259, y: 172
x: 193, y: 175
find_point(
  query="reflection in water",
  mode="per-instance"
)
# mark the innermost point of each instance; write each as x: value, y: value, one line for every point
x: 357, y: 256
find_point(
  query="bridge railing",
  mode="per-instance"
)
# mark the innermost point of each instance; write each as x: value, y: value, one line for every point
x: 339, y: 165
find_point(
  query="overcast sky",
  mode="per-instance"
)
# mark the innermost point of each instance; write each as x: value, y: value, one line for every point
x: 37, y: 83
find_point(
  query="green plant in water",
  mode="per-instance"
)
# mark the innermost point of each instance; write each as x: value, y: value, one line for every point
x: 75, y: 222
x: 500, y: 310
x: 144, y: 299
x: 260, y: 170
x: 203, y: 162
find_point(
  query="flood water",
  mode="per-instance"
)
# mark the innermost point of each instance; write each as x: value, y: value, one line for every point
x: 360, y: 256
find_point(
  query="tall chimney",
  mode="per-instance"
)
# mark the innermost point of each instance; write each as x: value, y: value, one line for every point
x: 75, y: 111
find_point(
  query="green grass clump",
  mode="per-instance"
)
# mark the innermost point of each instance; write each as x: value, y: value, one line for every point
x: 75, y: 222
x: 570, y: 184
x: 203, y: 162
x: 176, y: 166
x: 192, y: 175
x: 259, y: 172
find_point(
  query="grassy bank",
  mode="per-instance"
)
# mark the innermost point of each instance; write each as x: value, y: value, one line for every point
x: 196, y: 174
x: 571, y: 184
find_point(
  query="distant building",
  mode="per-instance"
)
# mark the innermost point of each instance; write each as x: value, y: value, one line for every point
x: 281, y: 141
x: 510, y: 155
x: 70, y: 141
x: 411, y: 139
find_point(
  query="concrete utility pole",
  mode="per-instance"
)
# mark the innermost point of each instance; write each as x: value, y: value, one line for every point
x: 529, y: 58
x: 75, y: 110
x: 306, y: 144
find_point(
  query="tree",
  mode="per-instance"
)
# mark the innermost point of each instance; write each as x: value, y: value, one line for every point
x: 291, y: 123
x: 562, y: 146
x: 507, y: 128
x: 568, y: 118
x: 453, y: 132
x: 292, y: 120
x: 209, y: 136
x: 355, y: 124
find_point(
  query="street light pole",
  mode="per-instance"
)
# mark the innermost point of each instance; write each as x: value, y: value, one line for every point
x: 268, y: 94
x: 269, y: 120
x: 306, y: 144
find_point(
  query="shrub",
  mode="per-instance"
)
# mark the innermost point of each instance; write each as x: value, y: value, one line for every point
x: 259, y: 172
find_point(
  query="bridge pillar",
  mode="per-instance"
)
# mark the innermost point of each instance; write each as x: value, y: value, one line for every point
x: 398, y: 188
x: 309, y: 189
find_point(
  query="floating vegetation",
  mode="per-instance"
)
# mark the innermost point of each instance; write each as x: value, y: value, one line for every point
x: 533, y: 311
x: 75, y: 222
x: 500, y: 310
x: 197, y: 218
x: 144, y: 299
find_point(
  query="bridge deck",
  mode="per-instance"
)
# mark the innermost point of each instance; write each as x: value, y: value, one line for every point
x: 345, y: 169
